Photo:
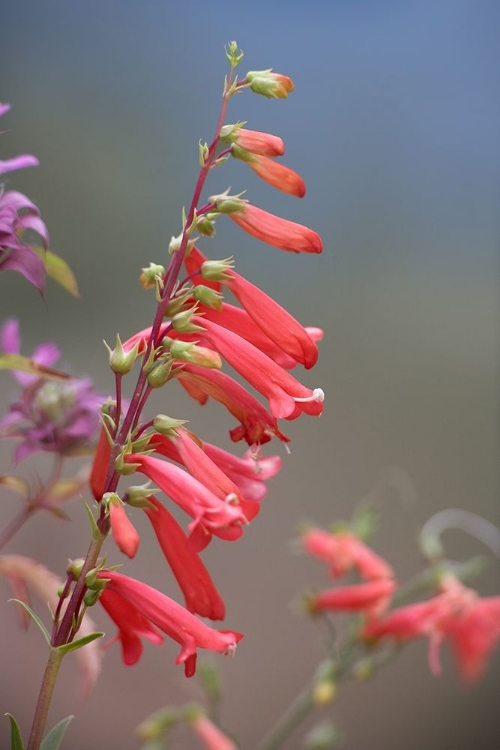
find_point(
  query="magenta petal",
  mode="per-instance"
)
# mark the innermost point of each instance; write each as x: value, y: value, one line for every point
x: 4, y: 108
x: 24, y: 450
x: 17, y: 201
x: 9, y: 336
x: 25, y: 261
x: 34, y: 223
x: 18, y: 162
x: 46, y: 354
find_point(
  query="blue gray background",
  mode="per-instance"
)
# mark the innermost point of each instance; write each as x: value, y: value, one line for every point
x: 395, y: 126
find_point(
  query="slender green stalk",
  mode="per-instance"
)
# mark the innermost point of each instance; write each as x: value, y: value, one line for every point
x: 44, y: 698
x: 290, y: 719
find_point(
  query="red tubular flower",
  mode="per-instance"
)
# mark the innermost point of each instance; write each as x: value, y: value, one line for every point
x: 278, y: 232
x: 263, y: 144
x: 100, y: 466
x: 249, y: 473
x: 131, y: 626
x: 257, y: 426
x: 372, y: 598
x: 124, y: 533
x: 168, y: 616
x: 287, y: 397
x: 286, y: 332
x: 343, y: 551
x: 276, y: 174
x: 199, y: 591
x: 471, y: 624
x: 192, y: 455
x: 210, y: 514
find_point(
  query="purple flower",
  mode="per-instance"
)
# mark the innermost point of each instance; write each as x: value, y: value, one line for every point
x: 17, y: 215
x: 60, y: 417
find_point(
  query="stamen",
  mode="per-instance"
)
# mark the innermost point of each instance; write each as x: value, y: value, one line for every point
x: 317, y: 395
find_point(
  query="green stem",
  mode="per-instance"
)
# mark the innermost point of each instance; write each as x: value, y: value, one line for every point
x: 44, y: 698
x: 291, y: 718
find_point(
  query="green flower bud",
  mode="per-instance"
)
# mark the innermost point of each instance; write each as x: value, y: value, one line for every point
x: 160, y: 372
x: 216, y: 270
x: 75, y: 567
x: 228, y: 204
x: 120, y: 361
x: 207, y: 296
x: 229, y: 133
x: 182, y: 322
x: 150, y: 275
x: 167, y: 425
x: 137, y: 496
x: 91, y: 597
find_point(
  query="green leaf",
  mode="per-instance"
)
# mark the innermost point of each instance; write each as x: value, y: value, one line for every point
x: 74, y: 645
x: 59, y: 270
x: 25, y: 364
x: 35, y: 618
x: 16, y: 741
x: 54, y: 738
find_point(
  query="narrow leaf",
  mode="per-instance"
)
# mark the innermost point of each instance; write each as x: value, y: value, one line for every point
x: 54, y: 738
x: 25, y: 364
x: 59, y: 270
x: 35, y: 619
x: 74, y: 645
x: 16, y: 741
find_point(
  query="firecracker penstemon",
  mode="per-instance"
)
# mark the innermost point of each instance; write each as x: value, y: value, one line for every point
x: 194, y: 332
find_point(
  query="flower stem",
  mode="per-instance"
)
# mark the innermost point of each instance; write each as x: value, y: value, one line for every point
x: 17, y: 523
x: 289, y: 720
x: 44, y: 698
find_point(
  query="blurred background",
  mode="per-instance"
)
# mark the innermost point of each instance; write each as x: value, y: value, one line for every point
x: 395, y: 126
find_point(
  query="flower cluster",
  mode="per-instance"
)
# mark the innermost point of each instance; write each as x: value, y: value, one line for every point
x: 57, y: 416
x: 220, y: 493
x: 18, y: 215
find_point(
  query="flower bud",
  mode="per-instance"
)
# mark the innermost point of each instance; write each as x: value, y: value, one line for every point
x: 324, y: 693
x: 167, y: 425
x: 158, y: 724
x: 208, y: 297
x: 91, y: 597
x: 160, y: 372
x: 206, y: 223
x: 150, y: 275
x: 137, y: 496
x: 267, y: 83
x: 196, y: 355
x: 182, y: 321
x: 323, y: 736
x: 120, y: 361
x: 227, y: 204
x: 75, y: 567
x: 233, y: 54
x: 216, y: 270
x: 176, y: 304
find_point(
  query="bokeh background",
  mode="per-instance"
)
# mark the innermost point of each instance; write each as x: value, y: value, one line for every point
x: 395, y: 126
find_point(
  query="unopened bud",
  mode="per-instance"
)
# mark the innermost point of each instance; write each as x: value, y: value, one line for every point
x: 207, y: 296
x: 137, y: 496
x: 158, y: 724
x: 150, y: 275
x: 195, y: 355
x: 122, y: 467
x: 167, y: 425
x: 160, y: 372
x: 324, y: 693
x: 364, y: 670
x: 75, y: 567
x: 267, y: 83
x: 120, y: 361
x: 91, y: 597
x: 233, y: 54
x: 228, y: 204
x: 323, y: 736
x: 216, y: 270
x: 206, y: 223
x: 176, y: 304
x: 182, y: 321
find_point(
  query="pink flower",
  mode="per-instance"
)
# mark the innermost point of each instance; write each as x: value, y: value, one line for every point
x: 281, y: 327
x: 100, y: 465
x: 287, y: 397
x: 209, y: 733
x: 459, y: 615
x: 17, y: 162
x: 371, y: 598
x: 189, y: 452
x: 257, y: 426
x: 132, y: 626
x: 278, y: 232
x: 168, y: 616
x: 199, y: 591
x: 256, y: 142
x: 249, y: 473
x: 210, y: 514
x: 343, y: 551
x: 124, y: 533
x: 276, y: 174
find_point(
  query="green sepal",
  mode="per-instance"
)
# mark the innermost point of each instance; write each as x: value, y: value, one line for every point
x: 365, y: 521
x: 16, y: 741
x: 25, y: 364
x: 96, y: 534
x: 75, y: 645
x: 54, y: 738
x: 35, y: 619
x: 58, y: 269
